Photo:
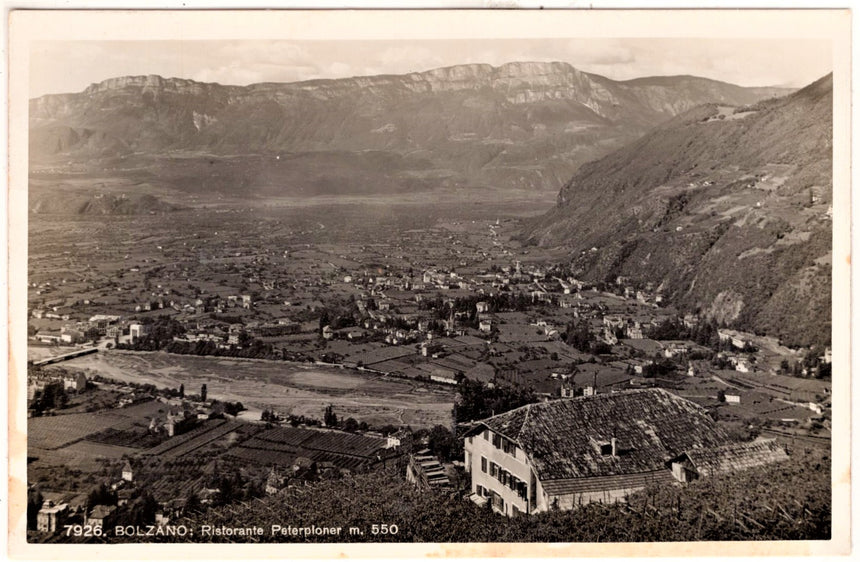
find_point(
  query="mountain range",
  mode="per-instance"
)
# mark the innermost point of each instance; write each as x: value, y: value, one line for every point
x: 726, y: 211
x: 523, y: 125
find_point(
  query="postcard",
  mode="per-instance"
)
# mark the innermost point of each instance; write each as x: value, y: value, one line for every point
x: 405, y: 283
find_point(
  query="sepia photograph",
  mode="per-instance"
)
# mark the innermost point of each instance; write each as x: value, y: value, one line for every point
x: 430, y: 278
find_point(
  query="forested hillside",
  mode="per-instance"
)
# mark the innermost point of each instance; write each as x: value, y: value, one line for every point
x: 726, y: 211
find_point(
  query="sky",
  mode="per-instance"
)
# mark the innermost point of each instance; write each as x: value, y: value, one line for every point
x: 71, y: 66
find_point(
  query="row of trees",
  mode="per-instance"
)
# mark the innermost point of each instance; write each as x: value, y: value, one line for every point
x: 51, y: 397
x: 476, y: 400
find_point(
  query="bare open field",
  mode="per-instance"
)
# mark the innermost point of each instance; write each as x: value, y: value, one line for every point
x: 286, y: 387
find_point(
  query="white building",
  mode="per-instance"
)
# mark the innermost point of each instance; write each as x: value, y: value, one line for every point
x: 138, y: 331
x: 568, y: 452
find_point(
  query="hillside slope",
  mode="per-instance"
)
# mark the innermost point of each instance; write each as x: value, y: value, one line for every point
x: 703, y: 510
x: 520, y: 125
x: 728, y: 210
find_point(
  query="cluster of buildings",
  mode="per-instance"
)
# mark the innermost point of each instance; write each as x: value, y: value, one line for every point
x: 38, y: 380
x: 97, y: 326
x: 71, y: 508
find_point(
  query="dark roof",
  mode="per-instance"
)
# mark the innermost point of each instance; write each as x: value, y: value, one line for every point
x: 734, y: 457
x: 563, y: 438
x: 601, y: 483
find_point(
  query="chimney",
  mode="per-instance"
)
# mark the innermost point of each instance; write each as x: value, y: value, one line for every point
x: 614, y: 447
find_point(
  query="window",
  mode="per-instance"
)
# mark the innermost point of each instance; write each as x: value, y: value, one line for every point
x: 487, y: 434
x: 483, y: 464
x: 494, y: 470
x: 522, y: 489
x: 480, y: 490
x: 497, y: 441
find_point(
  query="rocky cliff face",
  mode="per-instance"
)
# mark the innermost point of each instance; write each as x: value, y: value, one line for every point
x: 521, y: 125
x: 728, y: 209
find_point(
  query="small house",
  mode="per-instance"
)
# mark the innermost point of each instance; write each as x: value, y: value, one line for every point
x: 127, y: 472
x: 102, y: 516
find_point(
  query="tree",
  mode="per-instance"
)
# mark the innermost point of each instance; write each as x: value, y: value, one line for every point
x: 721, y: 395
x: 203, y: 393
x: 52, y: 396
x: 100, y: 496
x: 478, y: 401
x: 324, y: 320
x: 350, y: 424
x: 441, y: 442
x: 182, y: 391
x: 330, y: 418
x: 233, y: 408
x: 34, y: 504
x: 192, y: 503
x: 387, y: 429
x: 578, y: 336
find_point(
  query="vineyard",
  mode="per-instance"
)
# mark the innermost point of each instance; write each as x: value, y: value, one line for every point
x: 788, y: 501
x: 281, y: 446
x: 194, y: 439
x: 53, y: 432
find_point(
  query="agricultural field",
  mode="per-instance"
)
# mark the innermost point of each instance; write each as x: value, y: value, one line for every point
x: 194, y: 440
x: 53, y: 432
x: 288, y: 388
x: 62, y: 440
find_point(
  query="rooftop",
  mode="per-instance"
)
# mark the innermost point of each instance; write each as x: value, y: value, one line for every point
x: 735, y: 456
x: 567, y: 438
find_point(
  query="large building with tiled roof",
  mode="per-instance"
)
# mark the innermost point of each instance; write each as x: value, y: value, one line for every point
x: 568, y: 452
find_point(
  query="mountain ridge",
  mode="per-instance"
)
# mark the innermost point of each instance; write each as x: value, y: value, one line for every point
x: 522, y: 125
x: 727, y: 210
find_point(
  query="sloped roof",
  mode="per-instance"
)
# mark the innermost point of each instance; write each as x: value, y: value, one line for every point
x: 735, y: 456
x: 635, y: 481
x: 563, y: 437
